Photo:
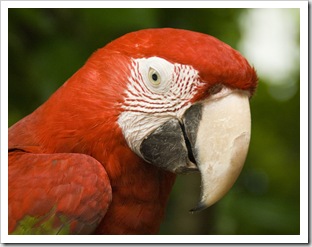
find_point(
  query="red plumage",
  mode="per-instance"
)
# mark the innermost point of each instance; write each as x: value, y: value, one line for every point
x: 74, y: 186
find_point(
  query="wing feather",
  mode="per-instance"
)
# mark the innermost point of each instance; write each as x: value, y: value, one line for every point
x: 62, y: 193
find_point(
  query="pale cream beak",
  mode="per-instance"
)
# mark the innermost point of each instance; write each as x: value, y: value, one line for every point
x: 222, y: 143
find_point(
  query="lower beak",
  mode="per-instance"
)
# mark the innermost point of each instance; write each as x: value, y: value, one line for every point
x: 221, y: 144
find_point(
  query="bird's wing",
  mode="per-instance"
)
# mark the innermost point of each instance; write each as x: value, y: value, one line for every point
x: 62, y: 193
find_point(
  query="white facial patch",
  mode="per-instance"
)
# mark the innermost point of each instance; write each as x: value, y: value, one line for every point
x: 157, y: 91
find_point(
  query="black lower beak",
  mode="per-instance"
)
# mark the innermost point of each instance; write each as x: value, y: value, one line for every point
x: 169, y: 147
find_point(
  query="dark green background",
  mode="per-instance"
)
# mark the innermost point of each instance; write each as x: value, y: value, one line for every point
x: 46, y: 46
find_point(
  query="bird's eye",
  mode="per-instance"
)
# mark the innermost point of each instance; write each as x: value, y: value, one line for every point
x: 154, y: 77
x: 156, y: 74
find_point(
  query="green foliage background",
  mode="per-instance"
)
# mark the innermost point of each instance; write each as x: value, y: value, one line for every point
x: 46, y: 46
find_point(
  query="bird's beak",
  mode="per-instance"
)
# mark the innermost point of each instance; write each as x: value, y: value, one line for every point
x: 221, y: 144
x: 212, y: 137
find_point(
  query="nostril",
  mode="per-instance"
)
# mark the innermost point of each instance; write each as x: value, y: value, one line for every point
x: 215, y: 89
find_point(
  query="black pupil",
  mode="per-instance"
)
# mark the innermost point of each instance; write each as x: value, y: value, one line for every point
x: 154, y: 77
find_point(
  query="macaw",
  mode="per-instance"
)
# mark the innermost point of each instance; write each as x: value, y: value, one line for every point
x: 100, y: 156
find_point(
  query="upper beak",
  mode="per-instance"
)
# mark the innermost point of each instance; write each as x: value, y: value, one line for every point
x: 212, y: 137
x: 221, y: 144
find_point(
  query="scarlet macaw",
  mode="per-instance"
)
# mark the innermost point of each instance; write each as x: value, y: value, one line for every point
x: 100, y: 156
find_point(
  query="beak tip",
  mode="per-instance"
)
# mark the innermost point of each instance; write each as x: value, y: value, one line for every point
x: 200, y: 207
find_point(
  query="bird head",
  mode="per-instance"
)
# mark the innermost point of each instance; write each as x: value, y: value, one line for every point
x: 181, y: 103
x: 186, y: 105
